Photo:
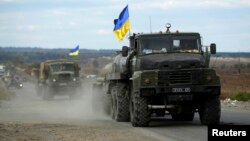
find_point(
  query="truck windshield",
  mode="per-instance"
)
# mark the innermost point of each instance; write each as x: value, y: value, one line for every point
x: 185, y: 44
x: 61, y: 67
x: 151, y: 45
x: 166, y: 44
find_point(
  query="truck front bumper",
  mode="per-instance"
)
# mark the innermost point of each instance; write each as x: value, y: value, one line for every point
x: 185, y: 92
x: 65, y: 88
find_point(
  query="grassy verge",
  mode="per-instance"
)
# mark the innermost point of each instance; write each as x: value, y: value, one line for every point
x: 242, y: 96
x: 5, y: 94
x: 233, y: 84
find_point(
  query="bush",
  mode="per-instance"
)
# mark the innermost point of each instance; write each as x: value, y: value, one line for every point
x: 242, y: 96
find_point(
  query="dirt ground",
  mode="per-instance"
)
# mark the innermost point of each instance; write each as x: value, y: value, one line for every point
x: 91, y: 131
x: 29, y: 118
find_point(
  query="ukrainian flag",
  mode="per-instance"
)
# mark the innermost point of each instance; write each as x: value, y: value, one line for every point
x: 75, y: 51
x: 122, y: 24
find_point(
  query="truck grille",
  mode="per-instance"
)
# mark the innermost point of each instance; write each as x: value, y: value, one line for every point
x: 174, y: 78
x: 163, y: 78
x: 64, y: 77
x: 180, y: 78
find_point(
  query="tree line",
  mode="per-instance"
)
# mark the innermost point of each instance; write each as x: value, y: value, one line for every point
x: 35, y: 55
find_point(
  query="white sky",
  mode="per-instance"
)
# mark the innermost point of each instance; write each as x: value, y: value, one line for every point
x: 67, y: 23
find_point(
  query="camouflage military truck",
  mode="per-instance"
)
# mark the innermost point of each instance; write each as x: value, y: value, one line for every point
x: 58, y: 77
x: 164, y: 73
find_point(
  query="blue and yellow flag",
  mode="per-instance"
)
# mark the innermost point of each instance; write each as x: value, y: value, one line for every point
x: 122, y: 24
x: 75, y: 51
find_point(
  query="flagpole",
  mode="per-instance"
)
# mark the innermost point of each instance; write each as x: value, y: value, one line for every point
x: 150, y: 25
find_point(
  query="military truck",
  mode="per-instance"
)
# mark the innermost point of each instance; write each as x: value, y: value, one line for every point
x: 164, y: 73
x: 58, y: 77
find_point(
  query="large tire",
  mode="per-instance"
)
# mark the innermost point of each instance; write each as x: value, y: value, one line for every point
x: 47, y: 93
x: 210, y: 111
x: 139, y: 113
x: 120, y: 103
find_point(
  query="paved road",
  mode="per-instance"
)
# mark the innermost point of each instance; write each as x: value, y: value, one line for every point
x: 183, y: 131
x: 68, y: 119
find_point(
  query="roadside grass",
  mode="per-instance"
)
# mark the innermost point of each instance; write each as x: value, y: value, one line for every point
x: 5, y: 94
x: 232, y: 83
x: 242, y: 96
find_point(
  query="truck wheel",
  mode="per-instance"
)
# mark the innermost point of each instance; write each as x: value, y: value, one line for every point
x: 139, y: 113
x: 120, y: 103
x: 210, y: 111
x: 47, y: 95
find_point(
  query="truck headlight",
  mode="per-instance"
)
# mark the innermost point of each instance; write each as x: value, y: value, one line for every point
x: 54, y: 80
x: 147, y: 81
x: 209, y: 78
x: 149, y: 78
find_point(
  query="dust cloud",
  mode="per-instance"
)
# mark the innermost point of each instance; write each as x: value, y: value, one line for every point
x: 27, y: 106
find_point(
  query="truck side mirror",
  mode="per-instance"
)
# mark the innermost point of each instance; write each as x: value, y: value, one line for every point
x: 213, y: 48
x: 125, y: 51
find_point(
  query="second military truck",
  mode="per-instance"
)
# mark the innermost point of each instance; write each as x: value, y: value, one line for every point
x: 58, y: 77
x: 163, y: 73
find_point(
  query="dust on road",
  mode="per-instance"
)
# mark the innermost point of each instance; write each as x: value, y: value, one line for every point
x: 29, y: 118
x: 28, y: 107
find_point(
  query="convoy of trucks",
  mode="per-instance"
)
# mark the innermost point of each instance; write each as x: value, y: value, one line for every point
x: 157, y: 74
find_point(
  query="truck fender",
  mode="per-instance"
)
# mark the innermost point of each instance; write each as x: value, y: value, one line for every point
x: 135, y: 80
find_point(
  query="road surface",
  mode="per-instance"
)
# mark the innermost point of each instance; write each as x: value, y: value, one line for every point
x: 27, y: 117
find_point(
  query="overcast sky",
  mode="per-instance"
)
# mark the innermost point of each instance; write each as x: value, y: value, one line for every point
x: 67, y: 23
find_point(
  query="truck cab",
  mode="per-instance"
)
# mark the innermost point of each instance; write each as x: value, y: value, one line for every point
x: 58, y: 77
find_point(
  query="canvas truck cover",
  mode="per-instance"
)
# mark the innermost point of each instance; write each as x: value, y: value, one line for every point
x: 44, y: 66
